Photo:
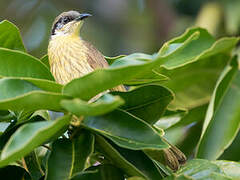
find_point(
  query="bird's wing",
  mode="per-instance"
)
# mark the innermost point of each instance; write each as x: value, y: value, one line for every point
x: 94, y: 57
x: 97, y: 60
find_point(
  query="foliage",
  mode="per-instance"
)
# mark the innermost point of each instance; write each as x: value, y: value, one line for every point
x: 188, y: 92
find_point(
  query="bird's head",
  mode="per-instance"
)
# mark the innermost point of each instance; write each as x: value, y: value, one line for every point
x: 68, y: 23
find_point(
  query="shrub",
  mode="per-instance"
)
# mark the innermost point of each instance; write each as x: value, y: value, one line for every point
x: 190, y: 89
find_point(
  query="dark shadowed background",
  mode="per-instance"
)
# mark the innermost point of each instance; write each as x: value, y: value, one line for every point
x: 122, y: 26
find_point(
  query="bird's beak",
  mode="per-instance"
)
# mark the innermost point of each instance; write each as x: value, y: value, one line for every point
x: 82, y: 16
x: 78, y: 23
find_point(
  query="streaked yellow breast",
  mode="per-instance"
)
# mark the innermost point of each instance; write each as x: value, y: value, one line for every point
x: 68, y: 58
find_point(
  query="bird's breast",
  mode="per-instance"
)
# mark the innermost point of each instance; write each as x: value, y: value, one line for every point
x: 68, y: 58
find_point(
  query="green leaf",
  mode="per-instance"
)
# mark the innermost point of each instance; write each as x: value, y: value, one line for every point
x: 199, y: 169
x: 10, y: 36
x: 11, y: 88
x: 133, y: 163
x: 14, y: 172
x: 197, y: 45
x: 230, y: 168
x: 17, y: 94
x: 222, y: 122
x: 146, y: 102
x: 191, y: 63
x: 41, y: 113
x: 103, y: 105
x: 182, y: 50
x: 126, y: 130
x: 30, y: 136
x: 44, y: 84
x: 18, y: 64
x: 111, y: 60
x: 132, y: 59
x: 45, y: 61
x: 73, y: 153
x: 170, y: 118
x: 189, y: 82
x: 101, y: 172
x: 103, y: 146
x: 146, y: 77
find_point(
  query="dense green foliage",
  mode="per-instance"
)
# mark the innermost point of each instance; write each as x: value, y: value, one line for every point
x: 188, y: 92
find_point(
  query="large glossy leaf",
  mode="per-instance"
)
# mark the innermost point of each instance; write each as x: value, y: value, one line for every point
x: 73, y: 153
x: 230, y: 168
x: 18, y: 64
x: 133, y: 163
x: 207, y: 58
x: 147, y: 76
x: 44, y: 84
x: 199, y: 169
x: 147, y: 102
x: 196, y: 40
x: 10, y: 36
x: 193, y: 45
x: 17, y: 94
x: 189, y: 82
x: 11, y: 88
x: 126, y: 130
x: 103, y: 105
x: 30, y: 136
x: 222, y: 120
x: 185, y: 46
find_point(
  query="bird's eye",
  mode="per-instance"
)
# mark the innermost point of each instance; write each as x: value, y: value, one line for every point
x: 66, y: 20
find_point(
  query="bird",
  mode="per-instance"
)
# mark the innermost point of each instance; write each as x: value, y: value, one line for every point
x: 69, y: 55
x: 72, y: 57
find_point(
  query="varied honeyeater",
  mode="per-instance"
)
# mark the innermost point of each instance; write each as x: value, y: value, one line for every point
x: 71, y: 57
